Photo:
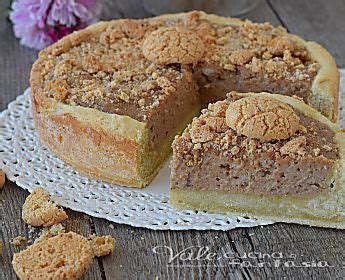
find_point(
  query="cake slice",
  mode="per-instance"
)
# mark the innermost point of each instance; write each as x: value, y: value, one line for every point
x: 262, y: 155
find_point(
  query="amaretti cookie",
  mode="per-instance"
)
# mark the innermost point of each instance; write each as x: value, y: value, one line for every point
x: 109, y: 99
x: 65, y: 256
x: 262, y: 155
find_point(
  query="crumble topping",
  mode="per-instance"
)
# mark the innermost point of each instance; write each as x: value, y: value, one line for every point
x: 278, y: 45
x: 132, y: 66
x: 262, y: 118
x: 240, y: 57
x: 173, y: 45
x: 295, y: 147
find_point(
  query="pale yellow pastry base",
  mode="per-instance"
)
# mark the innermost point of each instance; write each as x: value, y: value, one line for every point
x: 323, y: 210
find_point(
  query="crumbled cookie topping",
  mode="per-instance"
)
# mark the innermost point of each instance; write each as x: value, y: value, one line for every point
x: 173, y: 45
x: 133, y: 65
x: 203, y: 135
x: 278, y: 45
x: 295, y: 147
x: 262, y: 118
x: 39, y: 210
x: 241, y: 57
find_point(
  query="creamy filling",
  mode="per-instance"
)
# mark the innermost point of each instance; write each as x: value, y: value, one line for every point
x: 172, y: 112
x: 261, y: 175
x: 215, y: 82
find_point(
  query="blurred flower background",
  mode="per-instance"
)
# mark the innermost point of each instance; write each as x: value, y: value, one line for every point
x: 39, y: 23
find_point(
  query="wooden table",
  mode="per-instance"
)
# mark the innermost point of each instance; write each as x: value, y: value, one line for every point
x: 322, y: 21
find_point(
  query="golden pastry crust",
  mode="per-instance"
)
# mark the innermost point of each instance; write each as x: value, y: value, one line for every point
x: 262, y: 118
x: 65, y: 256
x: 173, y: 45
x: 39, y: 210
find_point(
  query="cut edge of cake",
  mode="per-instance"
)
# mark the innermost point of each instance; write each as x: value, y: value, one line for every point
x: 109, y: 147
x: 324, y: 210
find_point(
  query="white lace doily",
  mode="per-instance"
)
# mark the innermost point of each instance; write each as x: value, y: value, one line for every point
x: 29, y: 164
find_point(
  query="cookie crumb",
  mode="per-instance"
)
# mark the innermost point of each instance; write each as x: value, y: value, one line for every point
x: 295, y: 147
x: 278, y: 45
x: 102, y: 245
x: 2, y: 179
x: 39, y: 210
x: 235, y: 150
x: 316, y: 152
x: 18, y: 241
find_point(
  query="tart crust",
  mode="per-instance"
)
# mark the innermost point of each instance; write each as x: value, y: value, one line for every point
x: 115, y: 148
x: 324, y: 209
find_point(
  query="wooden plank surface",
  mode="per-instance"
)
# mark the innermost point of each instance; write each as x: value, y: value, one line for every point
x: 320, y: 21
x: 144, y: 254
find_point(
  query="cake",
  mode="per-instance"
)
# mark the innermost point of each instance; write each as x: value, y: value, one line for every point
x: 262, y: 155
x: 109, y: 99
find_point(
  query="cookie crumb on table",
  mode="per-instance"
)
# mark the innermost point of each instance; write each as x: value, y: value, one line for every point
x: 102, y: 245
x: 2, y: 179
x: 18, y: 241
x: 39, y: 210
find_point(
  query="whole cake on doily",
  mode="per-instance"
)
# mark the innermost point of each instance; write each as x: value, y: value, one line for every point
x: 110, y: 99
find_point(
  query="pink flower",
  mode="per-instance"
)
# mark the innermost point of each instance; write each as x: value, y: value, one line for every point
x: 39, y: 23
x: 67, y: 12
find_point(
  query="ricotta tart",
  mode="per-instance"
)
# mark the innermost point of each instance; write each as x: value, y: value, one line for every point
x: 109, y: 99
x: 263, y: 155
